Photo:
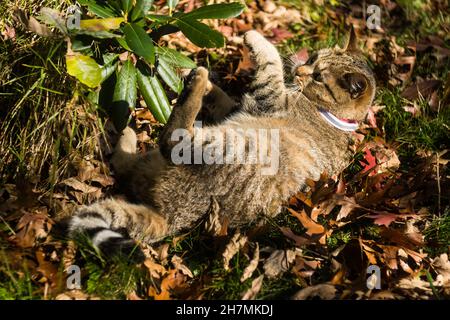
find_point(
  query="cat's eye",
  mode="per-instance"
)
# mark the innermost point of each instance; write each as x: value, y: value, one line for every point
x: 317, y: 76
x: 312, y: 59
x: 355, y: 83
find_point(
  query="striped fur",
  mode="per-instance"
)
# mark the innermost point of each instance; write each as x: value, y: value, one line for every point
x: 113, y: 226
x: 175, y: 197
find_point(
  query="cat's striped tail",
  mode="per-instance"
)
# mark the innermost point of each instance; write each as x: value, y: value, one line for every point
x: 112, y: 226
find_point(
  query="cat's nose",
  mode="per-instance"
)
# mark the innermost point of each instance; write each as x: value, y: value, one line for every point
x: 304, y: 71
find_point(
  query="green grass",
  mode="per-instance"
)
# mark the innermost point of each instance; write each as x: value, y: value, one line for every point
x: 438, y: 234
x: 41, y: 128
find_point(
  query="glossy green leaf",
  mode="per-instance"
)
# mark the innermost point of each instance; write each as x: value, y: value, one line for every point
x: 123, y: 43
x: 200, y: 34
x: 159, y: 17
x: 108, y: 70
x: 126, y: 5
x: 170, y: 76
x: 163, y: 30
x: 153, y: 94
x: 103, y: 10
x: 80, y: 44
x: 175, y: 58
x: 216, y: 11
x: 141, y: 9
x: 139, y: 42
x: 109, y: 58
x: 125, y: 93
x: 85, y: 69
x: 110, y: 65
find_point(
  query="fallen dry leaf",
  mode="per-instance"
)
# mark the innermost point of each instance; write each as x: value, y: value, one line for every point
x: 155, y: 270
x: 236, y: 243
x: 442, y: 267
x: 79, y: 186
x: 312, y: 228
x: 299, y: 240
x: 245, y: 64
x: 248, y: 271
x: 424, y: 88
x: 251, y: 293
x: 32, y: 227
x: 47, y: 269
x: 171, y: 285
x: 178, y: 264
x: 279, y: 262
x: 370, y: 161
x: 31, y: 24
x: 213, y: 225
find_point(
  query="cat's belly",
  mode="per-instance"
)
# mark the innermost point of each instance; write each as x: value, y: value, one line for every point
x: 185, y: 193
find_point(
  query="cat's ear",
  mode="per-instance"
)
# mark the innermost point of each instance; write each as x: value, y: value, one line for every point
x: 352, y: 42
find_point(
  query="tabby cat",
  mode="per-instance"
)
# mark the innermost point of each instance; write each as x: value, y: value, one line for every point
x: 313, y: 119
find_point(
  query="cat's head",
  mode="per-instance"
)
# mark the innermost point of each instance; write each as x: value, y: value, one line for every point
x: 338, y: 80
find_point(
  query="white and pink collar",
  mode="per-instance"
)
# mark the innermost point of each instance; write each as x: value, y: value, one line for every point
x: 338, y: 123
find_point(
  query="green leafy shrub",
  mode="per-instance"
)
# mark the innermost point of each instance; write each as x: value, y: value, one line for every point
x: 96, y: 46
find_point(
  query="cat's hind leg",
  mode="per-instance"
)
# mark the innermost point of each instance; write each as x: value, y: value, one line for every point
x: 125, y: 152
x: 113, y: 225
x: 185, y: 112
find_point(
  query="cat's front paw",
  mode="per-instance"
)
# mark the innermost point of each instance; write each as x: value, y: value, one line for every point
x: 198, y: 80
x: 261, y: 49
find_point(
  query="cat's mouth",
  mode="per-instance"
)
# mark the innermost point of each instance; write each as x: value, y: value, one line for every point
x: 340, y: 123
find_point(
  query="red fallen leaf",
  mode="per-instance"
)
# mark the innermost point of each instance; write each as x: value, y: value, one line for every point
x: 387, y: 218
x: 280, y: 35
x: 384, y: 219
x: 370, y: 160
